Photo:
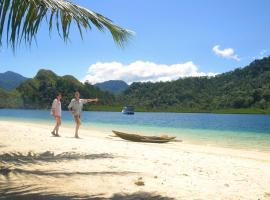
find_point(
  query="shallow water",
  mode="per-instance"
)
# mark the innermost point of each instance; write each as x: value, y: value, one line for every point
x: 227, y: 130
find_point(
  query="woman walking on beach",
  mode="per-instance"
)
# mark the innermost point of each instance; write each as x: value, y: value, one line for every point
x: 56, y: 112
x: 76, y: 107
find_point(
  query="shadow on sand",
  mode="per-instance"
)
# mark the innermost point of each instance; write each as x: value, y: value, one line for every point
x: 22, y: 193
x: 9, y: 161
x: 48, y: 156
x: 9, y: 190
x: 8, y: 171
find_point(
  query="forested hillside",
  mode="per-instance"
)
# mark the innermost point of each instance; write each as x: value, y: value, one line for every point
x: 248, y: 87
x: 113, y: 86
x: 41, y: 90
x: 10, y: 99
x: 10, y: 80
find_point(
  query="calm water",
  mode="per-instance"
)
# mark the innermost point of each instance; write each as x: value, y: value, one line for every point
x: 228, y: 130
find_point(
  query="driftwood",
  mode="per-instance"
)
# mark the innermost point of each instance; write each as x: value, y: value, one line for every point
x: 141, y: 138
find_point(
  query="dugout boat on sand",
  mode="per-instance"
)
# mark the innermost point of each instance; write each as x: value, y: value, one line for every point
x: 141, y: 138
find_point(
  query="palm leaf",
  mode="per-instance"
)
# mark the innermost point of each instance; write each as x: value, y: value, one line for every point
x: 21, y: 20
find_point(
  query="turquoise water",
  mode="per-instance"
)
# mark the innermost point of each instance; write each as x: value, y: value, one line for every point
x: 227, y: 130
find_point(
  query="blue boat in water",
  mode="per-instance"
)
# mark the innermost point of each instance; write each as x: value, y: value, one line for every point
x: 128, y: 110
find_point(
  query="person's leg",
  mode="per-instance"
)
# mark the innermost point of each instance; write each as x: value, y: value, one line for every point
x: 78, y: 123
x: 58, y: 125
x: 55, y: 127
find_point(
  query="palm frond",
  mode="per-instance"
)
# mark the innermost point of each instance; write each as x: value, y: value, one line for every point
x: 21, y: 19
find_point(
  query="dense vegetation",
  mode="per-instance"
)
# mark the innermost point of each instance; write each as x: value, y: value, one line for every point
x: 10, y: 99
x: 41, y: 90
x: 113, y: 86
x: 247, y: 88
x: 10, y: 80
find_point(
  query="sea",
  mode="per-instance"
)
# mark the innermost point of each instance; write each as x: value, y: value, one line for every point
x: 241, y: 131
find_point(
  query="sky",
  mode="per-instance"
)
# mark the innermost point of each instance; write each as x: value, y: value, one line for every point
x: 173, y: 39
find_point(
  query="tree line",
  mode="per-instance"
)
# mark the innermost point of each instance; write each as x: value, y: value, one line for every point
x: 243, y: 88
x: 39, y: 92
x: 248, y: 87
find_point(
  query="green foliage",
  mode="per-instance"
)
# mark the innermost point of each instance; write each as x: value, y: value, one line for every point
x: 10, y: 99
x: 242, y: 89
x: 22, y: 19
x: 113, y: 86
x: 40, y: 91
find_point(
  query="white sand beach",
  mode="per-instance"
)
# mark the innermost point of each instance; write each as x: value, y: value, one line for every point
x: 35, y: 165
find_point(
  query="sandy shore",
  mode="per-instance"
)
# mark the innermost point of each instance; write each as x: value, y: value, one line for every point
x: 35, y: 165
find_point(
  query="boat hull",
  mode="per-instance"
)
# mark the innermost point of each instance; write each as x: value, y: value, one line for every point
x: 140, y: 138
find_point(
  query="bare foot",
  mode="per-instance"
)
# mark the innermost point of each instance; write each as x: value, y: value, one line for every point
x: 53, y: 133
x: 76, y: 136
x: 57, y: 135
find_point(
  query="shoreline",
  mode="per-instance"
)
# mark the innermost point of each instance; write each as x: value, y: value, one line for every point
x: 189, y: 136
x: 100, y: 133
x: 223, y: 138
x: 237, y: 111
x: 101, y: 166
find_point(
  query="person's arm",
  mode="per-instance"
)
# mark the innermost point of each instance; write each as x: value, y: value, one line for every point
x: 54, y: 104
x: 90, y: 100
x: 70, y: 105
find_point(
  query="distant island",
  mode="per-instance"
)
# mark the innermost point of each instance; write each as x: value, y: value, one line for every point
x: 10, y: 80
x: 244, y: 90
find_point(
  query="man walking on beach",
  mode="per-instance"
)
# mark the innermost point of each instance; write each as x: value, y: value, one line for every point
x: 76, y: 107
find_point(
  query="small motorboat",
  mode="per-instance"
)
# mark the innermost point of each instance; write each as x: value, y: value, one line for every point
x: 128, y: 110
x: 141, y: 138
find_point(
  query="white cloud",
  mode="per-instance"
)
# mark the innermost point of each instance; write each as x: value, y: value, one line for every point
x: 226, y: 53
x: 141, y: 71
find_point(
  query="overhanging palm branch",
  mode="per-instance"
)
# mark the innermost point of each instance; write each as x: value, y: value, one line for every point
x: 21, y: 20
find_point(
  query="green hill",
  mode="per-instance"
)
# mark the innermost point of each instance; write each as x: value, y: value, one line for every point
x: 10, y: 99
x: 244, y: 88
x: 10, y: 80
x: 40, y: 91
x: 113, y: 86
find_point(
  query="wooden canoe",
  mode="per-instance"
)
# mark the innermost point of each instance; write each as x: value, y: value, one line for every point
x: 141, y: 138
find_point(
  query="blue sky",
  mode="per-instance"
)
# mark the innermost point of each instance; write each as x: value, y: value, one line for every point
x: 173, y: 38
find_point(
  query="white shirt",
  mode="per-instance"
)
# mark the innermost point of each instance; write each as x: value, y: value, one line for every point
x: 56, y: 108
x: 76, y: 106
